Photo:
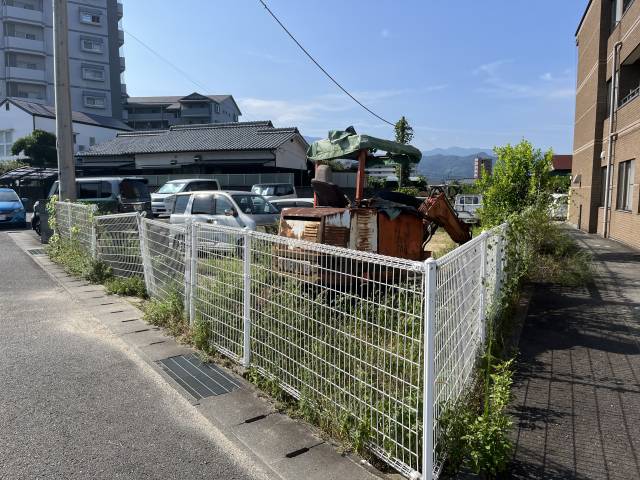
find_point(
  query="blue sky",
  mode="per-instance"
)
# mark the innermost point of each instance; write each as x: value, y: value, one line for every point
x: 466, y: 73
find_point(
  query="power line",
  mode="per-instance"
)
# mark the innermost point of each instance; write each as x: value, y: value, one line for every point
x: 321, y: 68
x: 175, y: 67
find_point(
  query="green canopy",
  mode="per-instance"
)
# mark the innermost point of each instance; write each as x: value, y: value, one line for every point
x: 347, y: 144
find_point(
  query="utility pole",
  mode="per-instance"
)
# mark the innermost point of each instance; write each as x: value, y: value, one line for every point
x: 64, y: 122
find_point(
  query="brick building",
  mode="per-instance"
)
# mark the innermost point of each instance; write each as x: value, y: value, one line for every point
x: 605, y: 173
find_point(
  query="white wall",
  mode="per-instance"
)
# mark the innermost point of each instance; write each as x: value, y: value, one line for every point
x: 292, y: 155
x: 22, y: 123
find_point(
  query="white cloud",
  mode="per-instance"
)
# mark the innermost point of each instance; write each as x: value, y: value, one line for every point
x: 547, y: 86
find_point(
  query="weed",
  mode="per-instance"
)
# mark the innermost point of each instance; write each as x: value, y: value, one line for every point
x: 130, y: 286
x: 167, y: 313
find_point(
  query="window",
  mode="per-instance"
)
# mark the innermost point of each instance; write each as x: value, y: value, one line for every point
x: 92, y: 45
x: 625, y: 185
x: 88, y: 190
x: 91, y: 18
x: 284, y: 190
x: 6, y: 141
x: 217, y: 108
x: 134, y: 190
x: 254, y: 204
x: 94, y: 101
x: 105, y: 190
x: 181, y: 203
x: 204, y: 185
x: 94, y: 73
x: 203, y: 205
x: 222, y: 204
x: 92, y: 141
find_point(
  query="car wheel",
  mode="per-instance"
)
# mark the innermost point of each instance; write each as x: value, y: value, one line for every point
x: 36, y: 225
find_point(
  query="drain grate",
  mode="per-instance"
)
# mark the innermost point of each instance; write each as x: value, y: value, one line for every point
x: 199, y: 379
x: 36, y: 251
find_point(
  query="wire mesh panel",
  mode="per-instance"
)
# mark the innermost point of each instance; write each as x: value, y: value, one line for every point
x: 164, y: 248
x: 343, y: 329
x: 218, y: 286
x: 458, y: 324
x: 494, y: 268
x: 118, y: 243
x: 74, y: 221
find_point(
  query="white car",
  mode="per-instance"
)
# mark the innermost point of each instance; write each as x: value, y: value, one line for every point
x: 159, y: 204
x: 466, y: 206
x: 282, y: 203
x: 271, y: 191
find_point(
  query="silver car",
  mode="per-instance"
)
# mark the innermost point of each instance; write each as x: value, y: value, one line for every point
x: 227, y: 208
x: 160, y: 200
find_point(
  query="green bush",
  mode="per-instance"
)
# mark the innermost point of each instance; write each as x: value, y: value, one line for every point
x: 76, y: 260
x: 167, y: 313
x: 130, y: 286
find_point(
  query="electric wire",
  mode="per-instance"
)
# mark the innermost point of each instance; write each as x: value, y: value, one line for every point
x: 322, y: 68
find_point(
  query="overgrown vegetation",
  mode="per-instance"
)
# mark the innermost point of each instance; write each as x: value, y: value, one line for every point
x: 129, y: 286
x: 8, y: 165
x: 168, y: 313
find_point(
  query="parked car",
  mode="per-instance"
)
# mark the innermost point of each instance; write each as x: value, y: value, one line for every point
x: 559, y: 206
x: 271, y: 191
x: 228, y: 208
x: 159, y: 204
x: 282, y: 203
x: 12, y: 210
x: 110, y: 194
x: 466, y: 206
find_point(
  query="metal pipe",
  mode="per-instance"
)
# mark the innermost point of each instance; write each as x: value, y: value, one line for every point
x: 613, y: 99
x: 362, y: 158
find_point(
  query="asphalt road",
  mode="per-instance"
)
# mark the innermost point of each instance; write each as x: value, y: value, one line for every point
x: 76, y: 403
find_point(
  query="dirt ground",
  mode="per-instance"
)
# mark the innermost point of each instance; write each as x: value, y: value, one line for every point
x: 440, y: 244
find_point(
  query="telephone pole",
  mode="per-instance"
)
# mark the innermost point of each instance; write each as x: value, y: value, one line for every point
x: 64, y: 122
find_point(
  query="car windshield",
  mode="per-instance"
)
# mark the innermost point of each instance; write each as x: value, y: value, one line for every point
x: 264, y: 189
x: 254, y: 205
x: 8, y: 197
x: 134, y: 190
x: 171, y: 188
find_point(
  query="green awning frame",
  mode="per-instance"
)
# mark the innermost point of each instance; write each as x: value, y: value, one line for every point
x: 348, y: 144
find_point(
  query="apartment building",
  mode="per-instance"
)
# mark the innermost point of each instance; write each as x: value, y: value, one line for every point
x: 154, y: 113
x: 96, y: 65
x: 605, y: 172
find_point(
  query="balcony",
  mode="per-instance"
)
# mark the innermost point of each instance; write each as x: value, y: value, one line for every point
x: 123, y: 65
x: 17, y: 73
x: 123, y: 89
x: 120, y: 38
x: 119, y: 10
x: 24, y: 43
x: 196, y: 112
x: 23, y: 14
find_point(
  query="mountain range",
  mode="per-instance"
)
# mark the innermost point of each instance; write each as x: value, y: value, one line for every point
x: 452, y: 163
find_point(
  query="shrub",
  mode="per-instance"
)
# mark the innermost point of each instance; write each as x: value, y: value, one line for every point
x: 130, y: 286
x: 167, y: 313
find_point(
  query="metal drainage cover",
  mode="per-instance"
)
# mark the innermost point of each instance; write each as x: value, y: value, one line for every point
x: 36, y: 251
x: 199, y: 379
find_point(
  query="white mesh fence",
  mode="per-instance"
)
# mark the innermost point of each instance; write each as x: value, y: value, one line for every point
x: 117, y: 244
x: 74, y: 221
x: 346, y: 331
x: 165, y: 251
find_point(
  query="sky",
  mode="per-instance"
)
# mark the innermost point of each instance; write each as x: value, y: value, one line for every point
x: 465, y: 73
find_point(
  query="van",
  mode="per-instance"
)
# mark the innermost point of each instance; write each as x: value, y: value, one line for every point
x: 159, y: 203
x: 110, y: 194
x: 271, y: 191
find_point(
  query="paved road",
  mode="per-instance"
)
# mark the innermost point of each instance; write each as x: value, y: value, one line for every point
x: 76, y: 403
x: 578, y: 382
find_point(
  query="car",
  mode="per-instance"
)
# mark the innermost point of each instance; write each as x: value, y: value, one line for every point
x: 226, y: 208
x: 110, y: 194
x: 282, y: 203
x: 467, y: 206
x: 12, y: 210
x: 159, y: 204
x: 271, y: 191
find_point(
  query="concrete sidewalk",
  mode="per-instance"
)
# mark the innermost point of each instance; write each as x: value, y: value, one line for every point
x: 245, y: 436
x: 577, y: 388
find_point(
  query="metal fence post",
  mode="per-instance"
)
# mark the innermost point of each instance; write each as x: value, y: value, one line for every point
x: 193, y: 272
x: 186, y: 281
x: 428, y: 386
x: 246, y: 258
x: 144, y: 255
x: 483, y: 288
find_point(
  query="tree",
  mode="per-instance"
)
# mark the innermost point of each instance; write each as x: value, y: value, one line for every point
x: 40, y: 147
x: 404, y: 134
x: 520, y: 179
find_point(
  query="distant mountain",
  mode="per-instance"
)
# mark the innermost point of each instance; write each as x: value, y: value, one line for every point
x: 457, y: 151
x: 310, y: 140
x: 438, y: 167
